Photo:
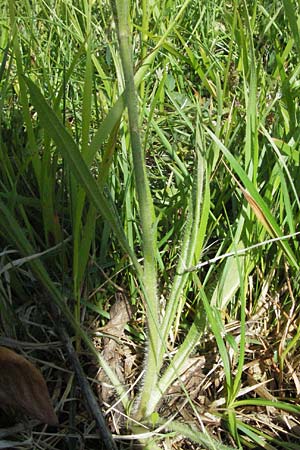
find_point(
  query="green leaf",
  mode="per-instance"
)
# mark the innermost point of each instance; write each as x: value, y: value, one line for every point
x: 80, y: 170
x: 256, y: 201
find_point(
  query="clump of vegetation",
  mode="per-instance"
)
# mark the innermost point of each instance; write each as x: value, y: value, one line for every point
x: 149, y: 217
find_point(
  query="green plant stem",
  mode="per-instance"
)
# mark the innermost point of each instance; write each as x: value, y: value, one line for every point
x: 144, y: 38
x: 146, y: 208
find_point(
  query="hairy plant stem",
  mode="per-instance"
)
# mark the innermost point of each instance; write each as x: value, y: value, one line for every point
x: 146, y: 209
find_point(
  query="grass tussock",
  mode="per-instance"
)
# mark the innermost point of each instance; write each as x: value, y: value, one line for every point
x: 149, y: 214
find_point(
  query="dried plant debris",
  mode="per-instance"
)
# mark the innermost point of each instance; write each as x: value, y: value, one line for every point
x: 116, y: 351
x: 22, y: 386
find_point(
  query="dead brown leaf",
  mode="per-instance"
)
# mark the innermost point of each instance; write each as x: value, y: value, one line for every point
x: 22, y: 386
x: 114, y: 349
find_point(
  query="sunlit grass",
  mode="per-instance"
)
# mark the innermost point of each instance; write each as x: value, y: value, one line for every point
x: 159, y: 152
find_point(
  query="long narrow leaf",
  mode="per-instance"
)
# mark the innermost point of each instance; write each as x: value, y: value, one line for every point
x: 71, y: 153
x: 273, y: 227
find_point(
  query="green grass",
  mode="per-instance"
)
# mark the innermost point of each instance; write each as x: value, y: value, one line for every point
x: 151, y: 149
